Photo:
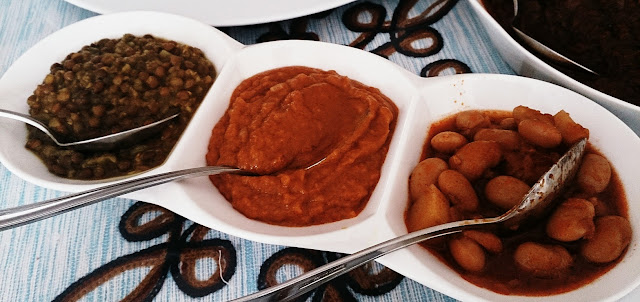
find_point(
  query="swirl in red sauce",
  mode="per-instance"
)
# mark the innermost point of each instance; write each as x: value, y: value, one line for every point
x: 280, y: 122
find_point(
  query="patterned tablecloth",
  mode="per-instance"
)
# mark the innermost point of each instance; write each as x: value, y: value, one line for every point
x: 129, y: 250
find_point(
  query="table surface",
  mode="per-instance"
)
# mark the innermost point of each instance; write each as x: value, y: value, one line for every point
x: 96, y: 253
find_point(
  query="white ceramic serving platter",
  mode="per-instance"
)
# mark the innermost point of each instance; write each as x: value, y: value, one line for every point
x: 527, y: 64
x: 421, y: 101
x: 218, y: 12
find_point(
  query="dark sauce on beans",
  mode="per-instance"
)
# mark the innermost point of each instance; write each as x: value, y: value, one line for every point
x: 501, y: 273
x: 603, y: 35
x: 114, y: 85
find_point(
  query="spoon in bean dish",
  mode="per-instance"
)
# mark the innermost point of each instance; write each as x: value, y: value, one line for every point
x: 101, y: 143
x: 539, y: 198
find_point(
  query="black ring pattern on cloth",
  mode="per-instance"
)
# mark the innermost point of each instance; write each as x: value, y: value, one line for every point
x: 370, y: 279
x: 178, y: 255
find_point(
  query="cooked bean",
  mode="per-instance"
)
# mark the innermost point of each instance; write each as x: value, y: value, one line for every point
x: 505, y: 191
x: 540, y: 133
x: 432, y: 208
x: 425, y: 174
x: 572, y: 220
x: 455, y: 214
x: 471, y: 121
x: 522, y: 113
x: 467, y: 253
x: 542, y: 260
x: 571, y: 131
x: 508, y: 139
x: 448, y: 141
x: 594, y: 174
x: 601, y: 207
x: 458, y: 189
x: 508, y: 124
x: 474, y: 158
x: 612, y: 236
x: 487, y: 240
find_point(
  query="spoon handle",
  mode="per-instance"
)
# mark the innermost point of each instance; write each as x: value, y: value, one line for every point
x: 21, y: 215
x: 308, y: 281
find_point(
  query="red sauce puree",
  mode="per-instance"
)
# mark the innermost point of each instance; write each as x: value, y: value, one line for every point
x: 481, y: 163
x: 282, y: 121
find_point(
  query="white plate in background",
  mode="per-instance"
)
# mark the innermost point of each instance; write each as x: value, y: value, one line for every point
x: 218, y: 12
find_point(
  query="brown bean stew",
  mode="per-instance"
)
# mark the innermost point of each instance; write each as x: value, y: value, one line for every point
x: 480, y: 164
x: 111, y: 86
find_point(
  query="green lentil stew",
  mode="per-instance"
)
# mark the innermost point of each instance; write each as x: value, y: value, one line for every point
x: 113, y: 85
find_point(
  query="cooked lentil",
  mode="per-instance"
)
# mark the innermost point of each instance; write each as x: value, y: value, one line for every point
x: 113, y: 85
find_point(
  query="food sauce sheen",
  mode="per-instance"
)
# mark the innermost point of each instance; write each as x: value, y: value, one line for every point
x: 500, y: 273
x: 319, y: 139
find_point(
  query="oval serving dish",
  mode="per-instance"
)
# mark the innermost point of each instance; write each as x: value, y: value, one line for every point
x: 420, y: 101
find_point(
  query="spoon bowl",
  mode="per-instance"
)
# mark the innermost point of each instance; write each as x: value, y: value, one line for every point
x: 101, y: 143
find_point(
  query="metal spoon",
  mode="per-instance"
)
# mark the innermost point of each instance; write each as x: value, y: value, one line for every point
x: 17, y: 216
x: 538, y: 199
x: 99, y: 143
x: 543, y: 49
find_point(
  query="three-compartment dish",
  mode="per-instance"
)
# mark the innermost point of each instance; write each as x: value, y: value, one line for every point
x: 420, y: 102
